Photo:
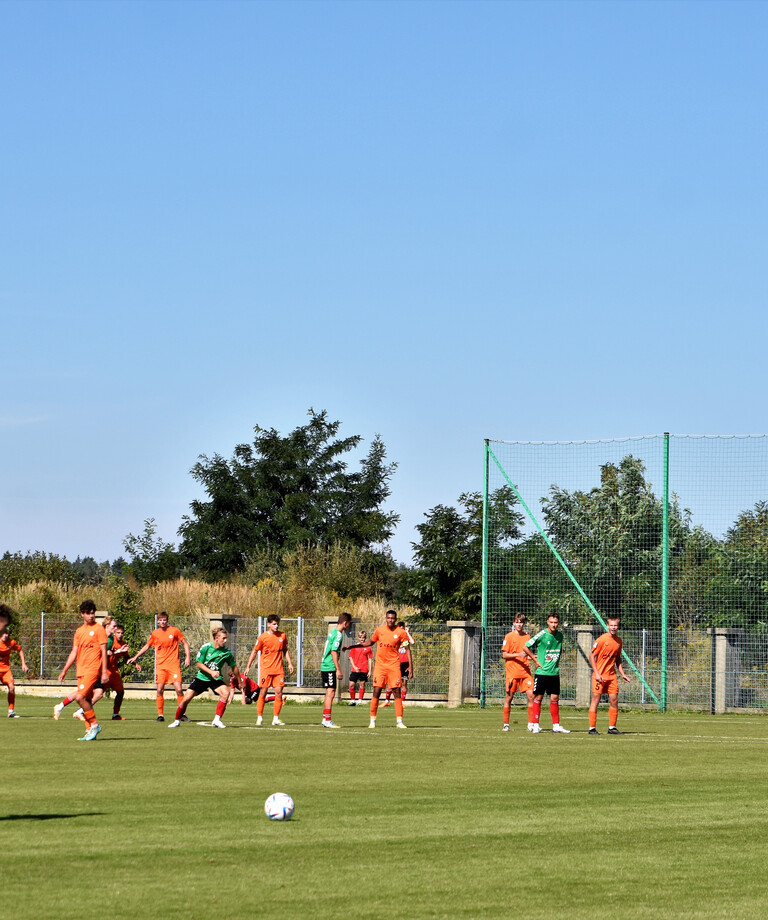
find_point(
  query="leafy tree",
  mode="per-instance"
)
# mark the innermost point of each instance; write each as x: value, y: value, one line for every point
x: 151, y: 558
x: 24, y: 568
x: 746, y: 551
x: 283, y: 492
x: 446, y: 582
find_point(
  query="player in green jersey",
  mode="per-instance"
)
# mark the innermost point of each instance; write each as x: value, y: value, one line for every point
x: 211, y: 658
x: 330, y: 669
x: 548, y: 646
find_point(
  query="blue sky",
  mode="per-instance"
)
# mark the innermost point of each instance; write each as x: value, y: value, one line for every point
x: 438, y: 221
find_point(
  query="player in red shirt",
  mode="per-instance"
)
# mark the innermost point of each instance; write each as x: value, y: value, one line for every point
x: 359, y: 668
x: 517, y: 669
x: 8, y: 645
x: 272, y: 645
x: 166, y: 640
x: 89, y: 649
x: 604, y: 658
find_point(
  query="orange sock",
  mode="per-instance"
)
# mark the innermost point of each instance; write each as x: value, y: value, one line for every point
x: 374, y: 707
x: 506, y: 714
x: 260, y: 704
x: 160, y: 702
x: 592, y: 719
x: 179, y: 698
x: 530, y: 712
x: 278, y: 706
x: 398, y: 708
x: 90, y: 717
x: 613, y: 715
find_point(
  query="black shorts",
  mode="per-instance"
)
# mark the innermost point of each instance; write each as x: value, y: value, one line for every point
x: 546, y: 683
x: 404, y: 668
x: 200, y: 686
x: 358, y: 677
x: 329, y: 680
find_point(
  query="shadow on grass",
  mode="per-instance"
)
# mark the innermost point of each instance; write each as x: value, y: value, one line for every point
x: 81, y: 814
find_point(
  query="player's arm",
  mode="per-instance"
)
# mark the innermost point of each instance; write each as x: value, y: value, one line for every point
x: 622, y: 672
x: 410, y: 663
x: 593, y: 662
x: 104, y: 665
x: 251, y: 659
x: 68, y: 663
x: 337, y: 663
x: 186, y: 651
x: 211, y: 672
x: 290, y: 663
x: 530, y: 654
x: 24, y: 667
x: 238, y: 679
x: 366, y: 644
x: 140, y: 652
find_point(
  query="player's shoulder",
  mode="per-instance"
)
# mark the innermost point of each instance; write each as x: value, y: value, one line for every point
x: 538, y: 636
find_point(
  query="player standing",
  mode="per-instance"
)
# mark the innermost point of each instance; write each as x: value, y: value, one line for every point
x: 117, y: 651
x: 359, y: 668
x: 211, y: 658
x: 405, y: 658
x: 8, y: 645
x: 330, y: 669
x: 272, y: 644
x: 166, y: 640
x: 89, y: 649
x: 548, y: 645
x: 604, y: 657
x: 386, y: 669
x: 517, y: 669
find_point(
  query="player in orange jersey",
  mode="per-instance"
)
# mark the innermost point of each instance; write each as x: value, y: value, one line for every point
x: 604, y: 658
x: 517, y: 669
x: 89, y: 649
x: 386, y: 669
x: 272, y: 645
x: 166, y: 640
x: 8, y: 645
x: 117, y: 652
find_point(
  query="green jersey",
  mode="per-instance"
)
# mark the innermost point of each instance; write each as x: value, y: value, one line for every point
x: 213, y: 658
x: 332, y: 644
x: 548, y: 647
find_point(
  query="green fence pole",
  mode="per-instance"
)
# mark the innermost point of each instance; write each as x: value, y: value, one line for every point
x: 484, y: 607
x: 665, y: 577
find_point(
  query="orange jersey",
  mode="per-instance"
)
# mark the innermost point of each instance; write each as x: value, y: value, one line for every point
x: 166, y: 641
x: 389, y: 642
x: 607, y: 652
x: 271, y: 646
x: 518, y: 667
x: 5, y: 653
x: 89, y: 640
x: 114, y: 658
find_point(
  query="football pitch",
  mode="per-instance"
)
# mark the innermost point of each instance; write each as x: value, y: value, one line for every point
x: 449, y: 819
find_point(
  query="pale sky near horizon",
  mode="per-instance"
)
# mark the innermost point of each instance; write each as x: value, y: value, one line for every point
x: 438, y: 221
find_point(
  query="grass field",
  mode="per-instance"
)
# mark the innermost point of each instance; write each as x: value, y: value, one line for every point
x: 451, y: 819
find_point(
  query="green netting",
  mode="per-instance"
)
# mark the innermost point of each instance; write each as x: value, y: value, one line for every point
x: 589, y: 529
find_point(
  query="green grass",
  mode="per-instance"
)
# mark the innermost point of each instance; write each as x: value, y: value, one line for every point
x: 451, y: 819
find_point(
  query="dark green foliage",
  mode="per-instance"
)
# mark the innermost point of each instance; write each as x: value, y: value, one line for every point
x: 151, y: 558
x: 282, y: 492
x: 23, y: 568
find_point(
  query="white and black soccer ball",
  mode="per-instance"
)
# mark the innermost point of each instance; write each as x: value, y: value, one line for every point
x: 279, y: 806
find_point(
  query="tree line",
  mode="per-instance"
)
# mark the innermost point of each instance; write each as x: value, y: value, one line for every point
x: 293, y: 507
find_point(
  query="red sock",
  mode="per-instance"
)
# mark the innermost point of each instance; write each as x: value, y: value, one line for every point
x: 352, y: 694
x: 180, y: 709
x: 362, y: 693
x: 554, y: 711
x: 327, y: 715
x: 536, y: 711
x: 67, y: 700
x: 220, y: 708
x: 389, y: 695
x: 403, y: 693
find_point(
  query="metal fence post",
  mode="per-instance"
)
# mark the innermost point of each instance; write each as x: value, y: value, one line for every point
x: 42, y: 644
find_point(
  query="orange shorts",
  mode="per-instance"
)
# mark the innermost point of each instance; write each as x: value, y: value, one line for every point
x: 6, y: 677
x: 115, y: 683
x: 167, y: 676
x: 388, y: 676
x: 86, y: 683
x: 272, y: 680
x: 610, y: 685
x: 520, y: 684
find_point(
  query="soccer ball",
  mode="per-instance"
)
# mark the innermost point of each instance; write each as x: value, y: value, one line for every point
x: 279, y: 806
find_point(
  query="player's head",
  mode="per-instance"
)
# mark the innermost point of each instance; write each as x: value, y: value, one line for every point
x: 88, y: 610
x: 273, y: 622
x: 119, y: 631
x: 401, y: 624
x: 553, y: 621
x: 362, y: 635
x: 391, y: 617
x: 344, y: 620
x: 613, y: 625
x: 4, y: 634
x: 6, y: 615
x: 219, y: 635
x: 109, y: 624
x: 162, y: 619
x: 519, y: 622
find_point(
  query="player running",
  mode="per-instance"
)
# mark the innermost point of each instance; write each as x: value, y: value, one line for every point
x: 211, y: 658
x: 604, y: 657
x: 272, y: 644
x: 386, y: 669
x: 517, y: 669
x: 117, y: 652
x: 8, y: 645
x: 89, y: 649
x: 166, y: 640
x: 330, y: 668
x: 548, y: 645
x: 359, y: 667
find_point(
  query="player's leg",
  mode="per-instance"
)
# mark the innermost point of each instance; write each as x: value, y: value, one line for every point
x: 329, y: 682
x: 554, y: 711
x: 613, y: 712
x: 597, y: 692
x: 264, y: 684
x: 8, y: 681
x: 507, y: 707
x: 182, y: 707
x: 117, y: 685
x: 160, y: 701
x: 223, y: 694
x: 529, y: 698
x: 179, y: 691
x: 86, y: 690
x: 379, y: 683
x: 538, y: 697
x: 361, y: 697
x: 352, y: 691
x: 277, y: 686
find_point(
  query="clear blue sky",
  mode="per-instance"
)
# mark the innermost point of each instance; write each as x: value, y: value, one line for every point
x: 438, y: 221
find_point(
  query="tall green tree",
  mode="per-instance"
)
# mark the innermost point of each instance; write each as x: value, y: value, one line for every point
x: 284, y: 491
x: 151, y: 558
